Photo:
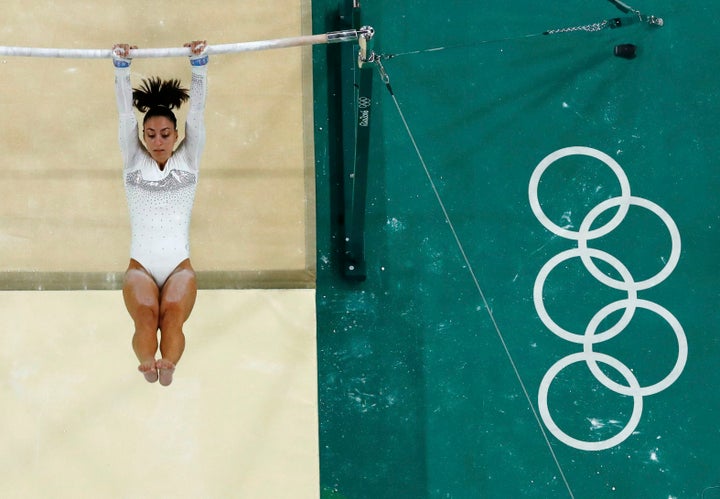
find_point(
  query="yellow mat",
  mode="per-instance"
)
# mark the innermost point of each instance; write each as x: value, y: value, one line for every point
x: 78, y: 420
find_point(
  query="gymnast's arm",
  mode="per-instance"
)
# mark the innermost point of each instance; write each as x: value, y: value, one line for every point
x: 195, y: 122
x: 128, y: 126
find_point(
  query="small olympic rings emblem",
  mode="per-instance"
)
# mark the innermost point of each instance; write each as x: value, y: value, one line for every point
x: 628, y: 305
x: 364, y: 102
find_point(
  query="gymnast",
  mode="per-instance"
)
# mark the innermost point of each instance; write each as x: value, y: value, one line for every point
x: 160, y: 287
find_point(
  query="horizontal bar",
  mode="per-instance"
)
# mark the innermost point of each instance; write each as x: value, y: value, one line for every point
x: 298, y: 41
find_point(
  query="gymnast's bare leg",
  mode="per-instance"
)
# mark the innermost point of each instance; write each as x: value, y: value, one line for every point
x: 166, y: 309
x: 177, y: 299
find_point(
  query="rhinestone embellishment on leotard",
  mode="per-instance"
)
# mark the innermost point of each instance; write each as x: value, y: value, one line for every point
x: 176, y: 179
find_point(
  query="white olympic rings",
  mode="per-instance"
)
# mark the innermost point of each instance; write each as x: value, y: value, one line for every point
x: 627, y: 283
x: 364, y: 102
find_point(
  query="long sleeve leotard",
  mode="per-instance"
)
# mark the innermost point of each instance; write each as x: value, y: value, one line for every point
x: 160, y: 201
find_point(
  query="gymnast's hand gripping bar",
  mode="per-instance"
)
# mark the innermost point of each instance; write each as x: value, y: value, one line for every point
x: 364, y: 33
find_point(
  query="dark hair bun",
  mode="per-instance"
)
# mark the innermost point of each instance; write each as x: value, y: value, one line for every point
x: 155, y: 92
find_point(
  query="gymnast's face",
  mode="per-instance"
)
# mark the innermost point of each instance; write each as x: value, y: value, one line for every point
x: 160, y: 137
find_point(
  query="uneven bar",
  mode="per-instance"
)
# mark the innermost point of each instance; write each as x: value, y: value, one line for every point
x: 298, y: 41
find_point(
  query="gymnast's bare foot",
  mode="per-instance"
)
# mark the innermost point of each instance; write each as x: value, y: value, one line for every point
x: 149, y: 370
x: 166, y: 370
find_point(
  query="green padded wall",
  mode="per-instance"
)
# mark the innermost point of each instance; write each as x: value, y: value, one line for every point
x: 583, y: 360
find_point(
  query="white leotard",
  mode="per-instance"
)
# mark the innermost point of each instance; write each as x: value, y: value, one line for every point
x: 161, y: 201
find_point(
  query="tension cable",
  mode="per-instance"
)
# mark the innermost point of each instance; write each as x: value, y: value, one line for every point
x: 636, y: 17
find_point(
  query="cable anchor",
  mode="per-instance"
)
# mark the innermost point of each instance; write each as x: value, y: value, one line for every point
x: 655, y: 21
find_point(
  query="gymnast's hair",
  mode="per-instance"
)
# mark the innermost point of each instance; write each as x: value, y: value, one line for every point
x: 157, y: 97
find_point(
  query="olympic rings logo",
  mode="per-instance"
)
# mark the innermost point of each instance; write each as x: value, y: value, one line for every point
x: 625, y: 283
x: 364, y: 102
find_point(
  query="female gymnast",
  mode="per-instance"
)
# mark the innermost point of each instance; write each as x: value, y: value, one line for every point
x: 160, y: 181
